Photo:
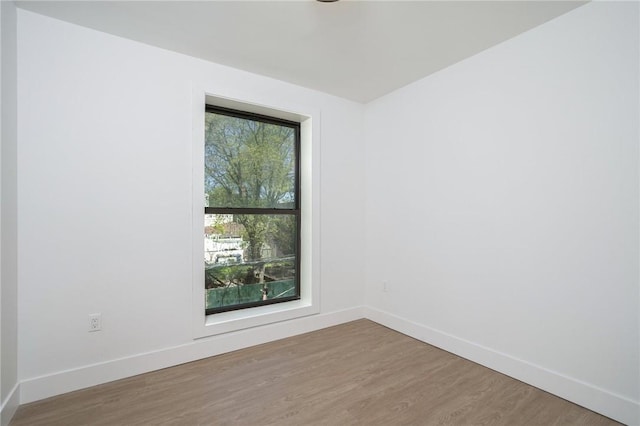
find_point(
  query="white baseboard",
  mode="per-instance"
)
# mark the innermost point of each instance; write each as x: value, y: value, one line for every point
x: 596, y: 399
x: 10, y: 405
x: 79, y: 378
x: 599, y: 400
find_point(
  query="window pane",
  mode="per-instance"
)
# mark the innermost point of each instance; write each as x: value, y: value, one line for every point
x: 249, y: 163
x: 249, y: 258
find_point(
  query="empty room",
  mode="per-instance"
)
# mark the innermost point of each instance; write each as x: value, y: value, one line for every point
x: 320, y: 212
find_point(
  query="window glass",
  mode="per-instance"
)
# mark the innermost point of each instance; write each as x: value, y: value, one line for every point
x: 249, y: 163
x: 252, y: 216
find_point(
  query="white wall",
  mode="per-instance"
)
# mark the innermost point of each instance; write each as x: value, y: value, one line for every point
x: 502, y: 208
x: 105, y: 170
x: 8, y: 217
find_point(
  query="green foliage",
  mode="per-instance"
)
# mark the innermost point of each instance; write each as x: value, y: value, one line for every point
x: 248, y: 163
x: 238, y: 275
x: 251, y: 164
x: 284, y: 235
x: 256, y: 228
x: 223, y: 275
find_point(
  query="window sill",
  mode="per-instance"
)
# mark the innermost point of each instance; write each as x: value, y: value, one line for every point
x: 226, y: 322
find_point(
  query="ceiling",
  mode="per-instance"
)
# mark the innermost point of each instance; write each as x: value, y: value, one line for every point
x: 359, y: 50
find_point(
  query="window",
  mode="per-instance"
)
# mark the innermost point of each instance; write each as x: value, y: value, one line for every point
x: 205, y: 320
x: 252, y: 220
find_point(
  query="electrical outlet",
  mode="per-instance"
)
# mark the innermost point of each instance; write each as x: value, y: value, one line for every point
x: 95, y: 322
x: 385, y: 286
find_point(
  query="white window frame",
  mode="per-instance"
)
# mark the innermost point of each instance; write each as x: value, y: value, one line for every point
x: 309, y: 303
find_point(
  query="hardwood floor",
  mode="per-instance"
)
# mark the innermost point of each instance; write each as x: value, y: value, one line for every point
x: 359, y: 373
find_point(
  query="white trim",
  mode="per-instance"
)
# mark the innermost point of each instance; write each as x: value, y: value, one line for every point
x: 10, y: 405
x: 592, y: 397
x: 78, y: 378
x: 309, y: 304
x: 599, y: 400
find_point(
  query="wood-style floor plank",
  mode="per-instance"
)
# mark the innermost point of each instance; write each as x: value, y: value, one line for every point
x: 359, y: 373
